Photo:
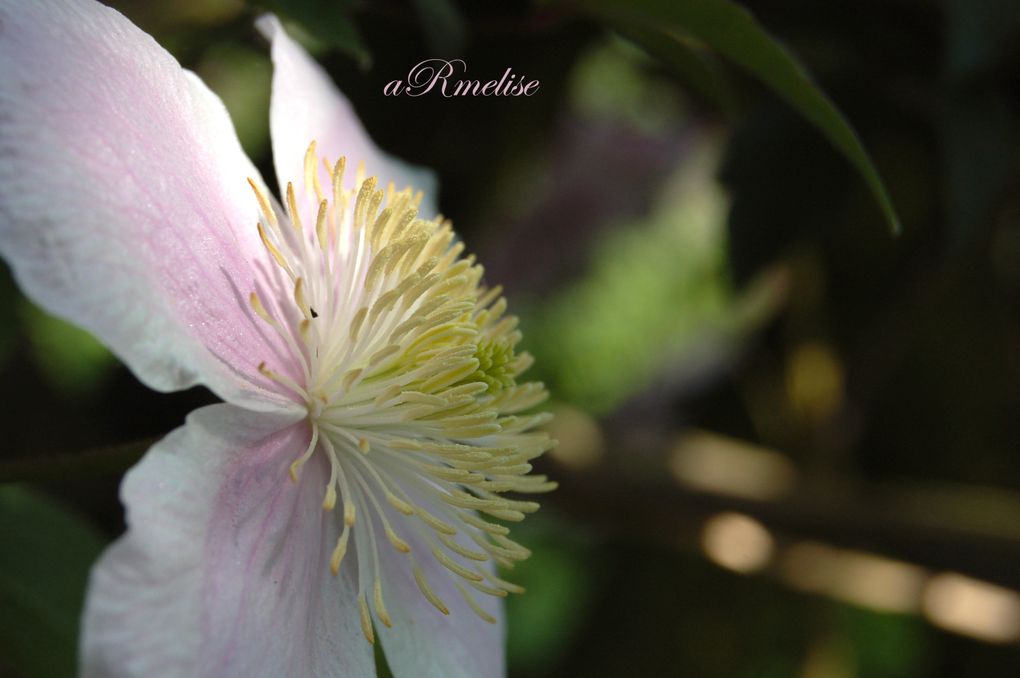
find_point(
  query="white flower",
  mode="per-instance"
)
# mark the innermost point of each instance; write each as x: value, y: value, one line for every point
x: 373, y: 421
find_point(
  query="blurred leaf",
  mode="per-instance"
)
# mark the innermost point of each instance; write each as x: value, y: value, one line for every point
x: 656, y: 302
x: 70, y: 358
x: 444, y: 26
x: 559, y: 582
x: 732, y: 31
x: 326, y: 21
x: 44, y: 565
x: 242, y: 78
x: 695, y: 65
x: 885, y: 645
x: 613, y: 81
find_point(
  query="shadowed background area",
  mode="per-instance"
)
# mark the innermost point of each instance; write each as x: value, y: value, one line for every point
x: 789, y: 440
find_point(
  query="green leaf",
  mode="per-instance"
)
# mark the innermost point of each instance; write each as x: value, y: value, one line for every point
x: 559, y: 580
x: 44, y: 565
x: 732, y: 31
x: 697, y: 67
x: 70, y: 359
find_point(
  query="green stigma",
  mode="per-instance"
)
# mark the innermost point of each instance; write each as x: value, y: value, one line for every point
x: 494, y: 357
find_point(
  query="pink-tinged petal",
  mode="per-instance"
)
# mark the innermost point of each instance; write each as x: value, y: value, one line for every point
x: 425, y: 643
x: 224, y: 570
x: 307, y: 106
x: 124, y: 205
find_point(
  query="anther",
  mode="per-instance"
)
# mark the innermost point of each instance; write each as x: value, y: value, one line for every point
x: 366, y: 619
x: 380, y: 607
x: 263, y: 202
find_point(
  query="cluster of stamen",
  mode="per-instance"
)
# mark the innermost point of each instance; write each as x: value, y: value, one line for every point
x: 405, y: 362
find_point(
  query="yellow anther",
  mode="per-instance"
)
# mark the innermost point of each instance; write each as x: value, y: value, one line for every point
x: 311, y: 175
x: 356, y: 322
x: 294, y: 470
x: 292, y: 210
x: 339, y: 552
x: 380, y: 607
x: 426, y: 590
x: 330, y: 500
x: 272, y: 249
x: 264, y: 205
x: 320, y: 225
x: 350, y: 378
x: 399, y: 504
x: 300, y: 300
x: 366, y: 619
x: 435, y: 523
x: 455, y: 567
x: 473, y: 604
x: 259, y: 309
x: 397, y: 542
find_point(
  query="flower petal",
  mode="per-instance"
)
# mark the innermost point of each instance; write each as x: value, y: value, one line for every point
x: 425, y: 643
x: 224, y: 568
x: 307, y: 106
x: 124, y: 205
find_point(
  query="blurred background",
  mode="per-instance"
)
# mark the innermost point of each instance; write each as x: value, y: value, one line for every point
x: 789, y: 440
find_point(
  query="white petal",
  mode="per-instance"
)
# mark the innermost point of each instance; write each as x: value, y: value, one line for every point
x: 124, y: 205
x: 224, y: 570
x: 424, y: 643
x: 307, y: 106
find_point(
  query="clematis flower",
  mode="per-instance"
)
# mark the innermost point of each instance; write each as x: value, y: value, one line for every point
x: 352, y: 486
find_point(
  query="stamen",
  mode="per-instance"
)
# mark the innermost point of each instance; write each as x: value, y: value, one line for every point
x: 295, y: 467
x: 473, y: 604
x: 273, y: 251
x: 427, y: 591
x: 407, y: 366
x: 264, y: 206
x: 320, y: 225
x: 340, y: 551
x: 299, y: 298
x: 311, y: 175
x: 366, y: 620
x: 283, y: 380
x: 380, y: 607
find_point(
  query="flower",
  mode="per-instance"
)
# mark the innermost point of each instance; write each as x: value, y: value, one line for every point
x: 373, y: 419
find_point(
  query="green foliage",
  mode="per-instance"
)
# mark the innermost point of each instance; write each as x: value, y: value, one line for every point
x: 242, y: 78
x: 44, y: 563
x: 885, y: 645
x: 70, y: 358
x: 732, y: 31
x: 559, y: 579
x: 656, y: 299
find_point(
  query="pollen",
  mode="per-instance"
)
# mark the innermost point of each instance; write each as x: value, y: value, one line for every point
x: 408, y: 368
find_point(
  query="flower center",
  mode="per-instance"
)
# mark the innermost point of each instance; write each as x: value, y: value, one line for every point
x: 407, y: 367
